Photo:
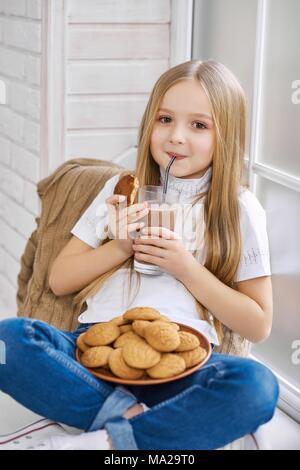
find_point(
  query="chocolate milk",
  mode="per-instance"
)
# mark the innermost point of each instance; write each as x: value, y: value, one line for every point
x: 160, y: 215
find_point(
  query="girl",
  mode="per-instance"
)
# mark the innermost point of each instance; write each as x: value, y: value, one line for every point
x: 196, y: 110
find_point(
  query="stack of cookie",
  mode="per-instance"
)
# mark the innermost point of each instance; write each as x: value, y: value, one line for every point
x: 140, y: 344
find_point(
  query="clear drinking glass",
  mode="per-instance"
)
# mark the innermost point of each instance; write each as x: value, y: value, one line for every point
x: 162, y: 213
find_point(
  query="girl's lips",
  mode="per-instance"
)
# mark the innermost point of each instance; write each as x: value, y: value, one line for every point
x: 178, y: 157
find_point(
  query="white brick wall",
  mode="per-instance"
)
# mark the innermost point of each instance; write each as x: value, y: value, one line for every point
x: 115, y: 51
x: 20, y: 59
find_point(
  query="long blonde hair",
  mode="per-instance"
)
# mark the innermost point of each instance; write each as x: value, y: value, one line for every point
x: 222, y: 236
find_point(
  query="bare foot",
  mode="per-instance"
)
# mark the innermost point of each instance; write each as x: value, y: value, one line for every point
x: 133, y: 411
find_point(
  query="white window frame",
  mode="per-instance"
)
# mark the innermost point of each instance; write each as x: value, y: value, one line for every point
x: 181, y: 31
x: 53, y: 69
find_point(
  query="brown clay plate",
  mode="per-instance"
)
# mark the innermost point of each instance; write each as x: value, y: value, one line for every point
x: 105, y: 374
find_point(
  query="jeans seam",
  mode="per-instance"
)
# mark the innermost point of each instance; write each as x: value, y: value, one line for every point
x: 81, y: 374
x: 29, y: 330
x: 217, y: 365
x: 220, y: 374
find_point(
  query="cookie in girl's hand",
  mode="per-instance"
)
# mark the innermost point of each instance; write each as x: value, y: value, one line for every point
x: 128, y: 186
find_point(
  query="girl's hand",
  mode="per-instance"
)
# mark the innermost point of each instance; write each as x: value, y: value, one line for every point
x: 164, y: 248
x: 122, y: 220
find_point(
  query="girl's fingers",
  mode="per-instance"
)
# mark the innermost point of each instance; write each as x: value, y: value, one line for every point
x: 153, y: 240
x: 115, y: 199
x: 124, y: 211
x: 135, y: 226
x: 131, y: 226
x: 124, y: 220
x: 161, y: 232
x: 123, y: 231
x: 131, y: 210
x: 129, y: 219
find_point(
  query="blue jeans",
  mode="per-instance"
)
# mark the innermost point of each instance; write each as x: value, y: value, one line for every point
x: 226, y: 399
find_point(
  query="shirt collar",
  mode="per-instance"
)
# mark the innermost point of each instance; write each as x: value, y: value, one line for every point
x: 187, y: 187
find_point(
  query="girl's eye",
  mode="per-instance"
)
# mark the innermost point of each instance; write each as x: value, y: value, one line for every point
x: 163, y: 117
x: 203, y: 126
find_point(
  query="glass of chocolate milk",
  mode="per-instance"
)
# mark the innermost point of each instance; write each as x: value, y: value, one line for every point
x: 162, y: 213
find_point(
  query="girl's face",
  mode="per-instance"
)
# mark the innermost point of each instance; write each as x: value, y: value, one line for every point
x: 184, y: 126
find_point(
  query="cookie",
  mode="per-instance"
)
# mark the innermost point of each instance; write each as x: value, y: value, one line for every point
x: 125, y: 337
x: 169, y: 366
x: 140, y: 344
x: 193, y: 357
x: 81, y: 344
x: 96, y: 356
x: 175, y: 326
x: 141, y: 313
x: 102, y: 334
x: 119, y: 367
x: 139, y: 326
x: 164, y: 318
x: 162, y: 336
x: 188, y: 341
x: 128, y: 186
x: 140, y: 354
x: 119, y: 321
x: 125, y: 328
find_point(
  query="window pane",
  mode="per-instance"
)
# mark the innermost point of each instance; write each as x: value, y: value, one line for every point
x: 282, y: 206
x: 280, y: 137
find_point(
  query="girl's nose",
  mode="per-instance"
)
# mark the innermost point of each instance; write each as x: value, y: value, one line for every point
x: 177, y: 135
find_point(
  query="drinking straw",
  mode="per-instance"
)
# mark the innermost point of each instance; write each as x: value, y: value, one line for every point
x: 165, y: 186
